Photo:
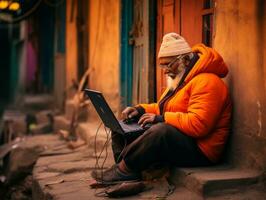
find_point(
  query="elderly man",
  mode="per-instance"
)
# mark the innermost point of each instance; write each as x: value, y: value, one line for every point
x: 190, y: 120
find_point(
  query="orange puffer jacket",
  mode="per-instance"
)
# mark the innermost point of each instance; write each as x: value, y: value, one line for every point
x: 202, y: 108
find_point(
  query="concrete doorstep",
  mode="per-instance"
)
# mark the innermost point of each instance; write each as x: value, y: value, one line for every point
x: 216, y: 180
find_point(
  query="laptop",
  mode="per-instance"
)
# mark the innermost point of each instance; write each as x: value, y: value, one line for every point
x: 108, y: 118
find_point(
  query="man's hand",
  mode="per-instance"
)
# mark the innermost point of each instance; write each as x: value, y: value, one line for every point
x: 146, y: 118
x: 129, y: 112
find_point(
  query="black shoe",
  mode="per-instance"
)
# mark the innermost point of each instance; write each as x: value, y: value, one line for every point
x: 98, y: 173
x: 114, y: 175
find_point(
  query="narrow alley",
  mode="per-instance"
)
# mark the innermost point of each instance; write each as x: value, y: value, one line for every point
x: 77, y: 76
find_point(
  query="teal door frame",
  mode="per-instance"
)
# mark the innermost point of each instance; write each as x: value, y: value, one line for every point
x: 46, y: 40
x: 126, y: 58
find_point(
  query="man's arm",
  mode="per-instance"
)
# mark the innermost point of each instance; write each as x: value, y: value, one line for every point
x: 149, y: 108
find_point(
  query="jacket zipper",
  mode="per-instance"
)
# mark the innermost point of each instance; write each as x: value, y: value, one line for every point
x: 170, y: 97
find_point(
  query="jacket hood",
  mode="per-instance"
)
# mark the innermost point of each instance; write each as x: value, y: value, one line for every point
x: 209, y: 62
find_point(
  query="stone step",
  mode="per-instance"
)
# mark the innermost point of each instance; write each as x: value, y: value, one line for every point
x: 34, y: 103
x: 61, y: 122
x: 69, y: 108
x: 215, y: 180
x: 82, y: 112
x: 92, y: 114
x: 17, y: 121
x: 44, y: 116
x: 42, y: 128
x: 87, y: 132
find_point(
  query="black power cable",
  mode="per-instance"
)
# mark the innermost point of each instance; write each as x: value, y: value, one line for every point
x: 105, y: 147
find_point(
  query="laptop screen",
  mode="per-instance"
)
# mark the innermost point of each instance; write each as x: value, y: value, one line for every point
x: 103, y: 110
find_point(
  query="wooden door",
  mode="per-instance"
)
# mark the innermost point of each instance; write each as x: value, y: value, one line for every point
x: 82, y: 37
x: 138, y: 49
x: 191, y: 20
x: 185, y: 18
x: 165, y: 24
x: 140, y: 41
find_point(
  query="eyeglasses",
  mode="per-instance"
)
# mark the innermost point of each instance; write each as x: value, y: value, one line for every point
x: 168, y: 66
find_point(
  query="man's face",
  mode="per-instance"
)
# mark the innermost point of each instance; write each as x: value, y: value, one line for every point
x: 171, y: 65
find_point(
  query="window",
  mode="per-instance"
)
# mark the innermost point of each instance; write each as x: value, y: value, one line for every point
x: 207, y: 22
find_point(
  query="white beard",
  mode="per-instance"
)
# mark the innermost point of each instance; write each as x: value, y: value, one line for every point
x: 172, y: 83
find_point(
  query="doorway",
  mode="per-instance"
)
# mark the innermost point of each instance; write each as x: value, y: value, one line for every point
x: 137, y: 75
x: 192, y: 19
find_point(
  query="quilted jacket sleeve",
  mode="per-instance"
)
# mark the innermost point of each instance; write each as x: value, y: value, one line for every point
x: 150, y: 108
x: 207, y: 97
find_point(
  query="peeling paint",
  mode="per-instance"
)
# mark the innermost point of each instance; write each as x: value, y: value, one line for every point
x: 259, y: 118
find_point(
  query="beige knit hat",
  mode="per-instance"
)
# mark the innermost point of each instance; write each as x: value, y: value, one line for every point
x: 173, y: 45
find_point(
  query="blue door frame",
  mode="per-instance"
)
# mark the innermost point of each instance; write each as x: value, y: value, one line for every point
x: 46, y: 47
x: 126, y: 59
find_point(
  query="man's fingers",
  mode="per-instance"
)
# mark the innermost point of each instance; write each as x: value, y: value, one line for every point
x: 129, y: 112
x: 124, y: 114
x: 146, y: 118
x: 132, y: 114
x: 146, y: 121
x: 143, y: 118
x: 126, y: 110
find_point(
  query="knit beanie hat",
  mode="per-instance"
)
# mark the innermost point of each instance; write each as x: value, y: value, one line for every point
x: 173, y: 45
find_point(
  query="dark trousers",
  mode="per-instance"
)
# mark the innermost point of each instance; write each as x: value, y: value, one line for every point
x: 160, y: 144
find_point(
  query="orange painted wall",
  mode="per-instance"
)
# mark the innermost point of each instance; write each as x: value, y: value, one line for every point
x: 71, y: 44
x: 240, y: 38
x: 104, y: 45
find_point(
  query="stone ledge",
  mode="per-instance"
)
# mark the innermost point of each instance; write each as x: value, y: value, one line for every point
x: 38, y: 102
x: 215, y: 180
x: 87, y: 132
x: 69, y: 109
x: 82, y: 113
x: 43, y: 116
x: 60, y: 122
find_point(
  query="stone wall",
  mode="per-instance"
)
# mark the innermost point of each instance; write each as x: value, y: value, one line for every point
x: 240, y: 29
x: 71, y: 43
x: 104, y: 45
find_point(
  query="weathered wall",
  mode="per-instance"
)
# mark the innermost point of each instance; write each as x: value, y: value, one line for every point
x: 104, y: 28
x: 71, y: 43
x: 239, y: 37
